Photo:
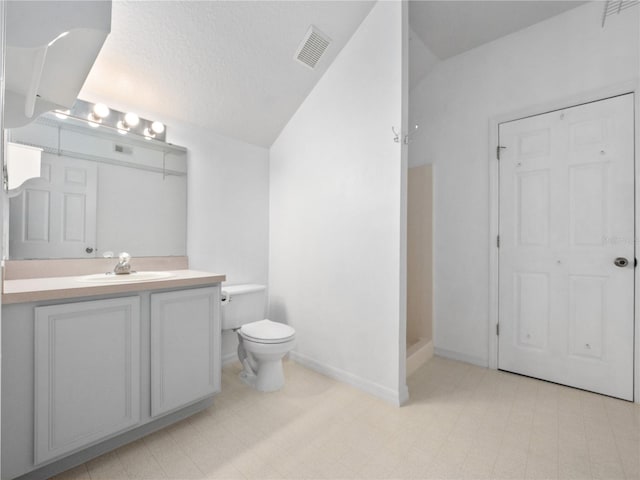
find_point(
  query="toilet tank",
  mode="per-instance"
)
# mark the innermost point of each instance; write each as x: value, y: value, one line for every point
x: 242, y: 304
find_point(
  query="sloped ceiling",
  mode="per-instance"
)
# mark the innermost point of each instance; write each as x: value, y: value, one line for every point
x: 449, y: 27
x: 442, y: 29
x: 227, y: 66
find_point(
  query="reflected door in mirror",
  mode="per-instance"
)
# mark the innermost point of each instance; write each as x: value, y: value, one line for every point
x: 54, y: 216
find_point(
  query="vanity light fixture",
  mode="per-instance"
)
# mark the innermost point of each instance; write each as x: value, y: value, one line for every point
x: 99, y: 114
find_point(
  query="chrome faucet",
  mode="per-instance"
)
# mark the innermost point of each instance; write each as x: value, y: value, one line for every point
x: 123, y: 267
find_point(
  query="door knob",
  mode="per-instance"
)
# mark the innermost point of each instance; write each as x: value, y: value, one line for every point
x: 88, y: 250
x: 621, y: 262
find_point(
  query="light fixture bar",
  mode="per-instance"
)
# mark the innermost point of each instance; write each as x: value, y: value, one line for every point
x: 99, y: 115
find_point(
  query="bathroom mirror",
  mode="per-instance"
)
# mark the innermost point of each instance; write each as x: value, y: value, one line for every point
x: 101, y: 190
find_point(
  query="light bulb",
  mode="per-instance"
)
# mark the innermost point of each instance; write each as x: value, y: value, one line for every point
x: 131, y: 119
x: 100, y: 110
x: 148, y: 134
x: 157, y: 127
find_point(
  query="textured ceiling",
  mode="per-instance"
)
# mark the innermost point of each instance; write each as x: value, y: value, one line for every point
x: 227, y: 66
x: 450, y: 27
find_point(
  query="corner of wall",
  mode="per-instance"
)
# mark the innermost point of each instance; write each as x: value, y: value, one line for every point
x: 335, y: 214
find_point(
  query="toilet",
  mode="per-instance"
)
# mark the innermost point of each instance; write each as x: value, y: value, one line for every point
x: 261, y: 342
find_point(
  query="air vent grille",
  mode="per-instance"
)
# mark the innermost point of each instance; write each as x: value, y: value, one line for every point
x: 312, y: 47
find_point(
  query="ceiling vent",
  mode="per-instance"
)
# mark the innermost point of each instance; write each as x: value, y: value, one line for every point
x: 312, y: 47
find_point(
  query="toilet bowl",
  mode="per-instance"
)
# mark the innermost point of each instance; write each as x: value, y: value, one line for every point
x: 262, y: 343
x: 261, y: 346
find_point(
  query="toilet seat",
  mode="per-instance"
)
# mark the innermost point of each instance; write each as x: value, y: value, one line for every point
x: 266, y: 331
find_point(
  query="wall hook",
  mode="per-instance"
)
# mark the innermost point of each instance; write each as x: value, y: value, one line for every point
x: 407, y: 137
x: 396, y: 135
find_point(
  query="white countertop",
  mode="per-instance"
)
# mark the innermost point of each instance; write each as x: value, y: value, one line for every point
x: 55, y: 288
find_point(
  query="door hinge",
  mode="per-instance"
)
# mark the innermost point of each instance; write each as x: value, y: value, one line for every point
x: 498, y: 241
x: 499, y: 148
x: 498, y: 329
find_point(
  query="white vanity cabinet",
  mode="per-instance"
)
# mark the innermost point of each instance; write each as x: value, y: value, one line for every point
x: 83, y: 376
x: 185, y: 340
x: 87, y: 373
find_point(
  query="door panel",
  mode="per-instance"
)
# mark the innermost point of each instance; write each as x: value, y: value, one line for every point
x: 36, y: 218
x: 566, y: 213
x: 588, y: 197
x: 74, y: 217
x: 532, y: 309
x: 534, y: 208
x: 586, y: 315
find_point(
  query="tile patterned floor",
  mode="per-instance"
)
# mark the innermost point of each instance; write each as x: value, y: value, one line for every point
x: 462, y: 422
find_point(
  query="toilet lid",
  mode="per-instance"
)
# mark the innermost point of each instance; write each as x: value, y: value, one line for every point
x: 266, y: 331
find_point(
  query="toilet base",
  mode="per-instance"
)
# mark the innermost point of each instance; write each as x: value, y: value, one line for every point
x: 268, y: 378
x: 262, y: 364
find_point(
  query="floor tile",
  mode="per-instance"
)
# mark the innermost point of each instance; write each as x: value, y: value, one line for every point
x: 461, y: 422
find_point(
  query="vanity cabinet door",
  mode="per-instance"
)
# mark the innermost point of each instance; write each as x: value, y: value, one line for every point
x: 87, y: 373
x: 185, y: 347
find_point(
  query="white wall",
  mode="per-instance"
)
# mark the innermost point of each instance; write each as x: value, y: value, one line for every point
x: 140, y: 212
x: 228, y: 210
x: 567, y: 55
x: 227, y: 203
x: 336, y: 214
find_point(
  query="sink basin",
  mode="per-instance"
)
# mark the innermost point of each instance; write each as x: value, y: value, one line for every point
x: 131, y: 277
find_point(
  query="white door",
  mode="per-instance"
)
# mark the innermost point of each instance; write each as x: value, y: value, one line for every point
x: 55, y: 215
x: 566, y: 215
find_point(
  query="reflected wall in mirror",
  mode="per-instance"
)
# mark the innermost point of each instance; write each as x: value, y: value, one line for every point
x: 99, y: 191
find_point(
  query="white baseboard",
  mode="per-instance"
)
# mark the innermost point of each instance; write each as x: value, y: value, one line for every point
x: 384, y: 393
x: 419, y: 355
x: 462, y: 357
